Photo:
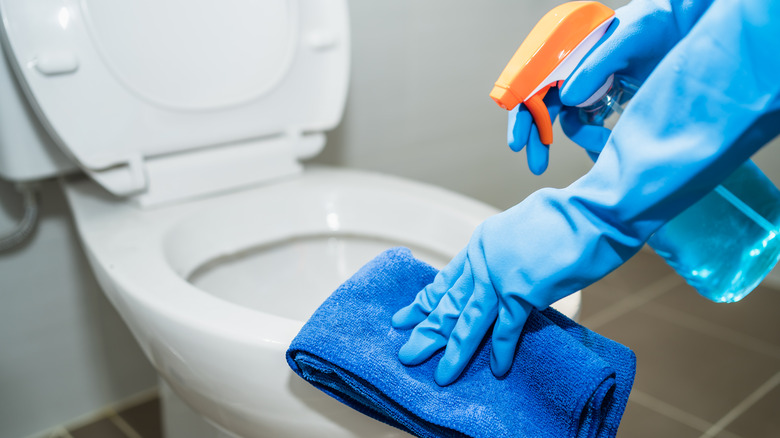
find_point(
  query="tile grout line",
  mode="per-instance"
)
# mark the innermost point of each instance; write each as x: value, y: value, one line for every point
x: 139, y: 398
x: 707, y: 328
x: 104, y: 412
x: 56, y: 432
x: 743, y: 406
x: 633, y: 301
x: 667, y: 410
x: 126, y: 428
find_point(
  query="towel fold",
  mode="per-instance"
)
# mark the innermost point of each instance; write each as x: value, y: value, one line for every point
x: 566, y: 381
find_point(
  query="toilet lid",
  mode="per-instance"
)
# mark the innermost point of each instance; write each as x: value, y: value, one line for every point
x: 119, y: 84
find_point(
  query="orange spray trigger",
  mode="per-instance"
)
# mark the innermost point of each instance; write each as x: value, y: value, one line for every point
x: 541, y: 115
x: 548, y: 55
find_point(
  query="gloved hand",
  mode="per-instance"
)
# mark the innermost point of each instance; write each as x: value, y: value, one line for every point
x: 710, y: 103
x: 522, y: 131
x: 641, y: 34
x: 467, y: 296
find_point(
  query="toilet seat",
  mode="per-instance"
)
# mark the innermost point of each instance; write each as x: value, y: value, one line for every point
x: 205, y: 99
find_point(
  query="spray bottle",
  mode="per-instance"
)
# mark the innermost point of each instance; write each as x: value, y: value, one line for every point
x: 723, y: 245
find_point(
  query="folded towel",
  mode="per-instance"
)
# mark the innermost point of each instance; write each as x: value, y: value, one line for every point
x: 566, y: 381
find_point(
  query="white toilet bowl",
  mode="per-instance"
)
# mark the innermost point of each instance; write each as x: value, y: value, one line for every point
x: 214, y: 290
x: 198, y: 220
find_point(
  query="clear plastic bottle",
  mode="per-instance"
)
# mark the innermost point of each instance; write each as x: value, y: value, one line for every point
x: 727, y: 242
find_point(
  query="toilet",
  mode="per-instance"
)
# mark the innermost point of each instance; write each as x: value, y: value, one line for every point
x: 179, y: 130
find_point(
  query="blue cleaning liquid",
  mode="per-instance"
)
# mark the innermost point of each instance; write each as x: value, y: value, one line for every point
x: 725, y: 244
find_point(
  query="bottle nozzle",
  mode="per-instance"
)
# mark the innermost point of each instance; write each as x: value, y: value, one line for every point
x: 504, y: 97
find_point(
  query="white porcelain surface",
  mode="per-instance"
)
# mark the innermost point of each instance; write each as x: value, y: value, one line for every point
x: 297, y: 273
x: 26, y: 151
x: 262, y: 260
x: 153, y: 78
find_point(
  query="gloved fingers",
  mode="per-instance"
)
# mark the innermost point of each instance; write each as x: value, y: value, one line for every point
x: 432, y: 334
x: 641, y: 35
x: 537, y: 152
x: 518, y: 127
x: 428, y: 298
x: 512, y: 315
x: 553, y: 102
x: 520, y: 120
x: 474, y: 322
x: 604, y: 59
x: 590, y: 137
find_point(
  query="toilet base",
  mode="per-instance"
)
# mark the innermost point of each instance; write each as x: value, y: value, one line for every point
x: 181, y: 421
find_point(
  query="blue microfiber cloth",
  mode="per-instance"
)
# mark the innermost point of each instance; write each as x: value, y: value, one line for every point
x: 566, y: 381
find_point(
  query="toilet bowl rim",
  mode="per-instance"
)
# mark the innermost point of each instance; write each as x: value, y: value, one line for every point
x: 190, y: 306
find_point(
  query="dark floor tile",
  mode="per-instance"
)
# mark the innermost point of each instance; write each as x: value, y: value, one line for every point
x: 100, y: 429
x: 762, y: 420
x: 596, y: 298
x: 640, y: 272
x: 144, y: 418
x: 644, y: 268
x: 696, y: 373
x: 641, y: 422
x: 756, y: 315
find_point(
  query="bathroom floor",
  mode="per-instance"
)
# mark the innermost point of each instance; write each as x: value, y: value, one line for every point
x: 140, y: 419
x: 704, y: 370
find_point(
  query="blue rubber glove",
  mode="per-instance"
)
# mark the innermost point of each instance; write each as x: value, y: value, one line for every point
x: 641, y: 34
x: 709, y: 104
x: 522, y: 131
